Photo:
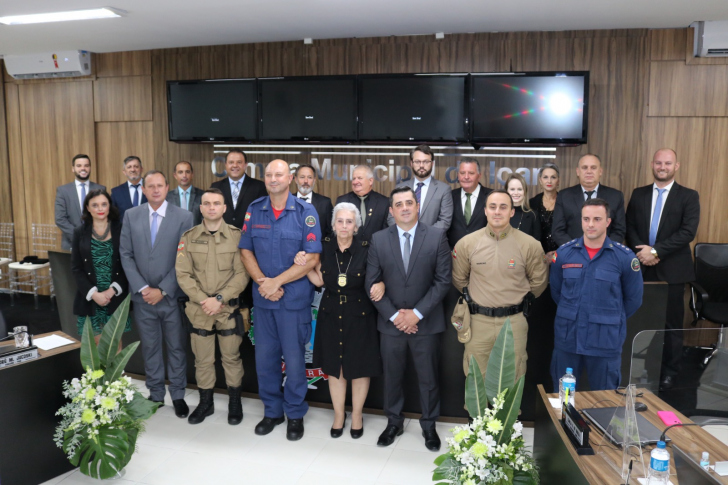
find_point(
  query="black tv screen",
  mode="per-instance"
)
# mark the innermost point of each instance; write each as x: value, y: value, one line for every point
x: 308, y: 108
x: 538, y: 107
x: 413, y: 108
x: 212, y: 110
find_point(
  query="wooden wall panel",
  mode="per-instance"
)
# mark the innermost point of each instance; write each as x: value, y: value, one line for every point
x: 17, y: 170
x: 123, y: 98
x: 114, y: 64
x: 118, y: 140
x: 677, y: 89
x: 6, y: 205
x: 669, y: 44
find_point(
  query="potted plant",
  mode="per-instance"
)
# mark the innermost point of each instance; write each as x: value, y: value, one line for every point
x: 491, y: 449
x: 106, y: 414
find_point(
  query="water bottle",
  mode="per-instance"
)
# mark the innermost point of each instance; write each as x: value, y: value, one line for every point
x: 705, y: 460
x: 659, y: 465
x: 568, y: 381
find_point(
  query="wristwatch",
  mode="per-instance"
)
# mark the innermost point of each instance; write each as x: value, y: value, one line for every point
x: 653, y: 252
x: 164, y: 293
x: 218, y: 297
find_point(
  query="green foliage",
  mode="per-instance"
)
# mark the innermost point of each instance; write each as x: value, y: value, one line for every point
x: 500, y: 373
x: 509, y: 414
x: 103, y: 456
x: 476, y: 400
x: 447, y: 468
x: 111, y: 335
x: 89, y: 352
x: 141, y: 408
x: 116, y: 367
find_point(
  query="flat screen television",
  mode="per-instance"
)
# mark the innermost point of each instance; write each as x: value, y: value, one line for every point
x: 413, y: 108
x: 547, y: 108
x: 307, y: 108
x: 213, y: 110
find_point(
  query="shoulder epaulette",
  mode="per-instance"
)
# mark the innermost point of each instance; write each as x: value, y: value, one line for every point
x: 622, y: 246
x: 189, y: 230
x: 570, y: 243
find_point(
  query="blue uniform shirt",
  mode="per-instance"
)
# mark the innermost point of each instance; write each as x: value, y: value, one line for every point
x: 275, y: 243
x: 594, y: 297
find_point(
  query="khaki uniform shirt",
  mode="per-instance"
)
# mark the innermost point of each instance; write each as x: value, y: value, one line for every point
x: 499, y: 271
x: 209, y: 264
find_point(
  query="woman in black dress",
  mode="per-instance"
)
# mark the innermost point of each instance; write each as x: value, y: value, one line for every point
x: 524, y: 219
x: 346, y: 344
x: 543, y: 204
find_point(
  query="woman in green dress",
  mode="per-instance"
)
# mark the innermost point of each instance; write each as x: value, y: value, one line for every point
x: 96, y: 265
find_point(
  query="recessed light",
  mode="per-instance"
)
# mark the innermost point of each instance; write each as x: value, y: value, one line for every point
x: 38, y: 18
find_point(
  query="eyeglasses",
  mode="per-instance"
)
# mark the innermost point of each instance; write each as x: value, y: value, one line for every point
x: 421, y: 162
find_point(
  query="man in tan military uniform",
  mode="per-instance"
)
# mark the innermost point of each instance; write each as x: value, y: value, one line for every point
x: 500, y: 265
x: 211, y: 273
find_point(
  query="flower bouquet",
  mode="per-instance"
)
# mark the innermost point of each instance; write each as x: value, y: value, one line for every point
x: 100, y: 426
x: 491, y: 449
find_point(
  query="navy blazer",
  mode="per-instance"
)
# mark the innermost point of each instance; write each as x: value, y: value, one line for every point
x: 121, y: 198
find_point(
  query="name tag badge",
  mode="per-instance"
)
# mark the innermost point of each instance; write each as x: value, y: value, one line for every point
x: 572, y: 265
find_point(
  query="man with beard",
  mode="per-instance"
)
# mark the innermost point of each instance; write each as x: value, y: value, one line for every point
x: 129, y: 194
x: 70, y: 197
x: 434, y: 197
x: 306, y: 180
x: 373, y: 206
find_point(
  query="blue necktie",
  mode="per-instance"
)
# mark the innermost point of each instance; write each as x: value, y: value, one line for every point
x: 154, y: 227
x: 418, y: 192
x: 656, y: 217
x: 135, y: 202
x: 83, y: 195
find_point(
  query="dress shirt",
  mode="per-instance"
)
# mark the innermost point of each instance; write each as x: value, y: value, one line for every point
x: 161, y: 213
x: 78, y: 191
x: 184, y: 195
x: 594, y: 195
x: 667, y: 189
x: 473, y: 198
x: 132, y: 190
x: 309, y: 196
x: 423, y: 190
x: 402, y: 240
x: 233, y: 182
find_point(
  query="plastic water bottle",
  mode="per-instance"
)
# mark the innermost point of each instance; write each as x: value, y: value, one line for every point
x: 659, y: 465
x: 705, y: 460
x: 568, y: 381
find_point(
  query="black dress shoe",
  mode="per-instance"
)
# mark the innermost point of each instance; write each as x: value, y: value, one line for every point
x: 337, y: 432
x: 358, y: 433
x: 295, y: 429
x: 180, y: 408
x: 667, y: 383
x: 161, y: 403
x: 267, y: 424
x: 432, y: 441
x: 388, y: 435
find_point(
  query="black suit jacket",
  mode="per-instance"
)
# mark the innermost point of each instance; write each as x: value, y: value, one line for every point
x: 677, y: 229
x: 83, y: 270
x: 567, y: 214
x: 458, y: 228
x: 250, y: 190
x: 121, y: 198
x: 422, y: 287
x: 377, y: 211
x: 324, y: 209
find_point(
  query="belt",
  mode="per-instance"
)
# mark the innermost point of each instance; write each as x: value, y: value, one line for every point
x: 495, y: 312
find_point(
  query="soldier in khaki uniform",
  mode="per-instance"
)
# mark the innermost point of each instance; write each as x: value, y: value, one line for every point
x: 499, y: 265
x: 211, y: 273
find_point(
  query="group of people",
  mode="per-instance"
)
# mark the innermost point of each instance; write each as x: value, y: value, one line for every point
x: 385, y: 266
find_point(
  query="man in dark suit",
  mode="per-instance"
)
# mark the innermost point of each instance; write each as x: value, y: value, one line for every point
x: 413, y: 260
x: 130, y: 193
x: 238, y: 189
x: 468, y: 202
x: 662, y: 220
x: 70, y: 197
x: 567, y: 212
x: 186, y: 195
x: 374, y: 207
x: 305, y: 181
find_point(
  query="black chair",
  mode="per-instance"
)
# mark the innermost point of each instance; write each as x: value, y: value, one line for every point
x: 3, y: 327
x: 709, y: 291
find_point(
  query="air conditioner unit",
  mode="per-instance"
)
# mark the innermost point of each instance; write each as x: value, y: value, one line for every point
x: 711, y: 38
x: 49, y: 65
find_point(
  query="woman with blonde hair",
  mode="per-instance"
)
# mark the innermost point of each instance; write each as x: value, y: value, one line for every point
x: 524, y: 219
x: 543, y: 205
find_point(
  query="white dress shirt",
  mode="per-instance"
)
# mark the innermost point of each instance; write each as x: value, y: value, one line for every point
x: 473, y: 198
x: 664, y: 200
x: 133, y: 190
x: 309, y: 197
x: 594, y: 195
x: 78, y: 191
x: 184, y: 196
x: 423, y: 190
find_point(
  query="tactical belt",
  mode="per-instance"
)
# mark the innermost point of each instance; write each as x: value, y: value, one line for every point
x: 495, y: 312
x: 209, y: 333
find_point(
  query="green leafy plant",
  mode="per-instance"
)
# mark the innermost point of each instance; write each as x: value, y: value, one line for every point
x: 490, y: 449
x: 100, y: 426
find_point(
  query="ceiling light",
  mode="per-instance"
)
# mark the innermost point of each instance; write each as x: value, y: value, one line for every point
x: 37, y: 18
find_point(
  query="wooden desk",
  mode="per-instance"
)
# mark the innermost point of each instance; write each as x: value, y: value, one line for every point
x: 559, y: 462
x: 30, y: 395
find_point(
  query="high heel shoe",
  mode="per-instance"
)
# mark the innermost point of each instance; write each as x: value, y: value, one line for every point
x: 358, y: 433
x: 337, y: 432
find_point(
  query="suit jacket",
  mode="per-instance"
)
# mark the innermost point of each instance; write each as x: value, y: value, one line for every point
x: 147, y: 265
x: 121, y: 198
x: 68, y: 210
x: 324, y: 209
x: 84, y: 271
x: 250, y: 190
x: 436, y: 210
x: 422, y: 287
x: 678, y: 226
x: 458, y: 228
x: 377, y: 211
x: 193, y: 204
x: 567, y: 214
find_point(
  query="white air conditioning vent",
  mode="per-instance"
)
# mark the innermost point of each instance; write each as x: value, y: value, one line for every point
x: 49, y: 65
x: 711, y: 38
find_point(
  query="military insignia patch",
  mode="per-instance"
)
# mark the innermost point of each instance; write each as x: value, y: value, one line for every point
x: 181, y: 246
x: 311, y: 237
x: 310, y: 221
x: 454, y: 254
x: 635, y: 264
x: 511, y: 264
x: 247, y: 216
x: 553, y: 258
x: 458, y: 325
x: 245, y: 228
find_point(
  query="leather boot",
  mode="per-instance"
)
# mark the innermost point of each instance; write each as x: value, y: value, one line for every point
x: 235, y: 407
x: 204, y: 409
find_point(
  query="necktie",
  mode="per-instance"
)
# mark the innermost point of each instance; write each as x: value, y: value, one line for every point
x: 468, y: 209
x: 589, y: 194
x: 407, y: 251
x: 154, y: 227
x: 363, y: 209
x: 656, y: 217
x: 83, y: 195
x: 184, y: 200
x: 418, y: 191
x: 236, y: 193
x: 135, y: 202
x: 304, y: 198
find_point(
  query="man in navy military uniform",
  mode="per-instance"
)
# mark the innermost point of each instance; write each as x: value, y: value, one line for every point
x: 596, y: 284
x: 276, y: 227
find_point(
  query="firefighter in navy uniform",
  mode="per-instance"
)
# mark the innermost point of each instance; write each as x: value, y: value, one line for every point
x: 211, y: 274
x: 597, y: 285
